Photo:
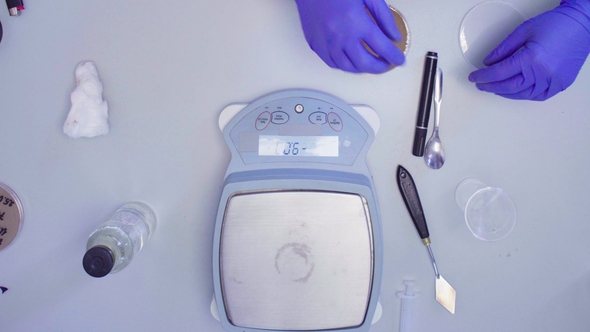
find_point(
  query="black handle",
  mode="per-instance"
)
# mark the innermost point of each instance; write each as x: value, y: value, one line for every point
x: 14, y: 3
x: 407, y: 187
x: 419, y: 142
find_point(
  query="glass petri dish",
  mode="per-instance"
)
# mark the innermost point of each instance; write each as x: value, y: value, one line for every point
x: 490, y: 214
x: 11, y: 215
x: 484, y: 27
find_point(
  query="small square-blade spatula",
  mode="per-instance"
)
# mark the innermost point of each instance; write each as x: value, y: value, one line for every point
x: 445, y: 293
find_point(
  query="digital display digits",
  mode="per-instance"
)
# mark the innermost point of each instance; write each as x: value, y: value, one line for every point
x: 298, y: 146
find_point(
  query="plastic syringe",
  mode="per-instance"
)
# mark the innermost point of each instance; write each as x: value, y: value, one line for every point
x: 407, y: 311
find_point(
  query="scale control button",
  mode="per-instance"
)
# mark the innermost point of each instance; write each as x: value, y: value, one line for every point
x: 262, y: 120
x: 279, y: 117
x: 318, y: 118
x: 299, y: 108
x: 335, y: 121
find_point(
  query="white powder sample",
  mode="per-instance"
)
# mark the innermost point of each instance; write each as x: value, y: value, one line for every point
x: 88, y: 116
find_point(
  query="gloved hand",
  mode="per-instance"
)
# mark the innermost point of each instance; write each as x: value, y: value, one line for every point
x: 542, y: 57
x: 335, y: 29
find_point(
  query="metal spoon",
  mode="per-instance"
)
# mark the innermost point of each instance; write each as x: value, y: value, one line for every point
x: 434, y: 155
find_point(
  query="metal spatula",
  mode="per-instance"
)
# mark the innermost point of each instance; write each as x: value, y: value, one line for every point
x: 445, y: 293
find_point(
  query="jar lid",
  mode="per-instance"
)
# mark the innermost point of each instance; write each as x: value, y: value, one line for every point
x: 11, y: 215
x: 98, y: 261
x: 404, y: 29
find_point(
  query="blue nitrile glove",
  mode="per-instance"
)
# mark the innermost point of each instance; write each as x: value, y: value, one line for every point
x: 542, y: 57
x: 335, y: 29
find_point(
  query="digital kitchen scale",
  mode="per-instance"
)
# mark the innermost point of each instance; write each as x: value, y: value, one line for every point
x: 297, y: 244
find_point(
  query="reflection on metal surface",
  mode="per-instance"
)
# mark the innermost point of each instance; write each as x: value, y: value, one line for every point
x: 296, y: 260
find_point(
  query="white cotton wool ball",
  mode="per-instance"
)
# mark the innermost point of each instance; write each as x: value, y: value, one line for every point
x: 88, y: 116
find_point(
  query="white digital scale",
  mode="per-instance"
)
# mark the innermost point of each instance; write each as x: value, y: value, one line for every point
x: 297, y: 244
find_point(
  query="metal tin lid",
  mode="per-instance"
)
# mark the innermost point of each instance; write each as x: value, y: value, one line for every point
x: 402, y: 26
x: 296, y: 260
x: 11, y: 215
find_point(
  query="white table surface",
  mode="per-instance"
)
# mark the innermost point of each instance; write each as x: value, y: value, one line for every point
x: 169, y: 69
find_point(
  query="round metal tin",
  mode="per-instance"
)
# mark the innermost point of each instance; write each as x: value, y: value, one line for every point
x: 11, y: 215
x: 402, y: 26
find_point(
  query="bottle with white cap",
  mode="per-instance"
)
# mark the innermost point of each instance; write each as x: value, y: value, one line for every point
x: 112, y: 246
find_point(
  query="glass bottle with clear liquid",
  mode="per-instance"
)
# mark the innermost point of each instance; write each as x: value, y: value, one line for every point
x: 112, y: 246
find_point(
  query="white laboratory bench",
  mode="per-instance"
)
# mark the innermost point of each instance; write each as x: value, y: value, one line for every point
x: 170, y: 68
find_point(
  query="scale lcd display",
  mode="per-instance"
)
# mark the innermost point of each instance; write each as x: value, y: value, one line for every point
x: 298, y: 146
